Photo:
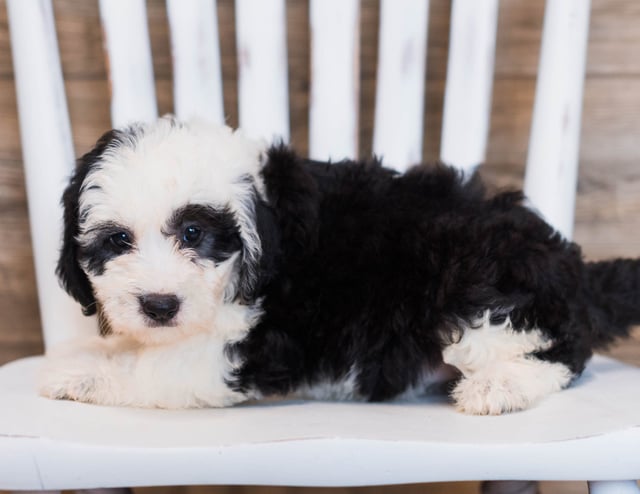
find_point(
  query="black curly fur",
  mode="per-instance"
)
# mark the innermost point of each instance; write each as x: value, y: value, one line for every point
x: 378, y: 269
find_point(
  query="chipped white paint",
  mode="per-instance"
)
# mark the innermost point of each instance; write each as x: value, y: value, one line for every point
x: 262, y: 68
x: 335, y: 72
x: 467, y: 99
x: 402, y: 54
x: 133, y: 96
x: 552, y: 161
x: 48, y: 157
x: 195, y: 50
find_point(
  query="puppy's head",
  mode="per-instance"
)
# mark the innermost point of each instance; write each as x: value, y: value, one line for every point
x: 164, y: 227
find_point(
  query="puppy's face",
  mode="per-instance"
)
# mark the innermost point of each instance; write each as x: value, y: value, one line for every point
x: 160, y: 221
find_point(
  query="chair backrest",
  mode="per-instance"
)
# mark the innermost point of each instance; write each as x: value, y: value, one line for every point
x: 263, y: 96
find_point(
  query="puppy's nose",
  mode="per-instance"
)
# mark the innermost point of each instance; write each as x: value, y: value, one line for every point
x: 160, y: 307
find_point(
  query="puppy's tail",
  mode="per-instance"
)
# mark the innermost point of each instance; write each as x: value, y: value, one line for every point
x: 614, y: 291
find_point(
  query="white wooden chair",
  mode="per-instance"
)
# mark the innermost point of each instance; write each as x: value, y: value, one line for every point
x: 590, y: 431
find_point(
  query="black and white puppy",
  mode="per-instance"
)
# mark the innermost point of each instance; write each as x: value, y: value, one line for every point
x: 224, y: 270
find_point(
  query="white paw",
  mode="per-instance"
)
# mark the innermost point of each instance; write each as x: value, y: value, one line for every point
x: 489, y: 395
x: 73, y: 378
x: 67, y: 386
x: 509, y: 386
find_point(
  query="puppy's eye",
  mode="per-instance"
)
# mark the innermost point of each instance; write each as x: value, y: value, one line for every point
x: 121, y: 241
x: 191, y: 236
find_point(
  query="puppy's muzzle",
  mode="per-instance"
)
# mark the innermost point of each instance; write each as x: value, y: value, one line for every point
x: 160, y: 308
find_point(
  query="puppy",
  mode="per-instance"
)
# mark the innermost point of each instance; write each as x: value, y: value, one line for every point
x: 224, y: 270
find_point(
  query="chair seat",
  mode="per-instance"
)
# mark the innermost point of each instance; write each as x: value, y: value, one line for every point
x: 589, y: 431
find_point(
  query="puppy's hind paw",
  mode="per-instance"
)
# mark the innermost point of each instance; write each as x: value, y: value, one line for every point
x: 509, y: 386
x: 477, y: 395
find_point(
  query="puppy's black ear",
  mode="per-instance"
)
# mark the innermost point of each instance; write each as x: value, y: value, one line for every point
x: 258, y: 266
x: 73, y: 278
x: 293, y: 194
x: 286, y: 224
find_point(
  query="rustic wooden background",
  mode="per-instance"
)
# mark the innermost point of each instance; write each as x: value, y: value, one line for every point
x: 608, y: 204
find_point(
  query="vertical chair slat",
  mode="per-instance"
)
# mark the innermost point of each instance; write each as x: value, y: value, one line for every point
x: 552, y: 161
x: 335, y: 67
x: 48, y: 157
x: 262, y: 68
x: 467, y: 99
x: 397, y: 135
x: 124, y: 23
x: 197, y: 76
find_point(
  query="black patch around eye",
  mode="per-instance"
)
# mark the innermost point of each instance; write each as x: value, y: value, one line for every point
x: 212, y: 233
x: 108, y: 242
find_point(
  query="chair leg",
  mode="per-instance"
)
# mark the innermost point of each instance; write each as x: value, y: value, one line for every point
x: 509, y: 487
x: 614, y: 487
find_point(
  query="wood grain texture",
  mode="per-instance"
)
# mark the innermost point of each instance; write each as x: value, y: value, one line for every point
x: 608, y: 201
x: 435, y: 488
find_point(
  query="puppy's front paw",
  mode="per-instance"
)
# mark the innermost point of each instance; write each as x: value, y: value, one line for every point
x: 67, y: 386
x: 71, y: 379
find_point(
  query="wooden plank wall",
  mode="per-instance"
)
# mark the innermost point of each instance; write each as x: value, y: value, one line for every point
x: 608, y: 204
